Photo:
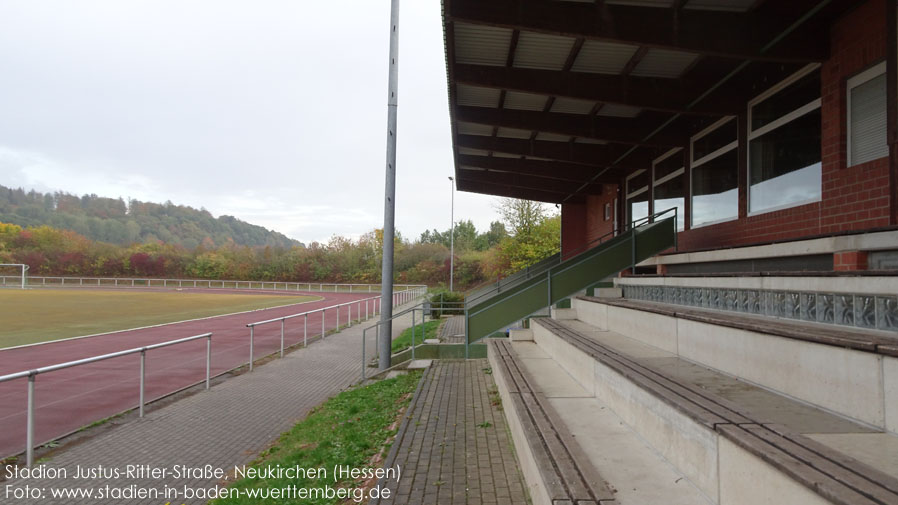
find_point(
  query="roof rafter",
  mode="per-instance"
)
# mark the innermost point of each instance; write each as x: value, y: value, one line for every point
x: 715, y: 33
x: 586, y: 154
x: 629, y: 131
x: 549, y: 169
x: 665, y: 95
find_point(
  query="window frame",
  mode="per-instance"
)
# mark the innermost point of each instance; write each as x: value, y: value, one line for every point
x: 673, y: 175
x: 856, y: 80
x: 694, y: 163
x: 630, y: 194
x: 773, y: 125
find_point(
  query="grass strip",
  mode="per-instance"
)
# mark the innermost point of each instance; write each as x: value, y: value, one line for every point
x: 351, y: 429
x: 404, y: 340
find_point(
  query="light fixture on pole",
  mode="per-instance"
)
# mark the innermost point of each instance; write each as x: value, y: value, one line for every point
x: 452, y: 233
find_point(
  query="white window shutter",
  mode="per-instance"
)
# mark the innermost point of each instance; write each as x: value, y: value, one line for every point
x: 868, y: 121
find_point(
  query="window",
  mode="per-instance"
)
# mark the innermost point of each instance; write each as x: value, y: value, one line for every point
x: 638, y: 195
x: 867, y: 116
x: 669, y: 183
x: 784, y: 168
x: 715, y: 173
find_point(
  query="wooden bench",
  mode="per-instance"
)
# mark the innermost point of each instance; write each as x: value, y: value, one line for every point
x: 566, y: 474
x: 831, y: 474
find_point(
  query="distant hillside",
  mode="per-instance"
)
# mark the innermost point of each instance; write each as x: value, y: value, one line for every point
x: 114, y: 221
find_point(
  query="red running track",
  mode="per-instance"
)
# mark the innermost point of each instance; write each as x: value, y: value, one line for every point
x: 65, y: 400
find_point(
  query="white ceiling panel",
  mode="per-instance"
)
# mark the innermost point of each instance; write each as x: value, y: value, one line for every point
x: 538, y: 50
x: 572, y: 106
x: 664, y: 63
x: 476, y: 96
x: 525, y: 101
x: 481, y: 45
x: 474, y: 129
x: 603, y: 57
x: 513, y: 133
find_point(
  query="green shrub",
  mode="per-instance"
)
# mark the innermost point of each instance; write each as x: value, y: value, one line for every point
x: 453, y: 303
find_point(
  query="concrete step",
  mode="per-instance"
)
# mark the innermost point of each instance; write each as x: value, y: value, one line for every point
x: 852, y: 372
x: 734, y: 441
x: 634, y: 472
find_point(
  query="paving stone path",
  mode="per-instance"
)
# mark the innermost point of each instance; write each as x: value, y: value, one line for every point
x: 453, y: 447
x: 453, y: 330
x: 223, y: 427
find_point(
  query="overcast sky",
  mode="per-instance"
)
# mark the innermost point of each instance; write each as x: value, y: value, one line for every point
x: 271, y: 111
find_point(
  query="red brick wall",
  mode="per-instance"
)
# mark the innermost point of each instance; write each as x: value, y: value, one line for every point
x: 596, y: 225
x: 853, y: 198
x: 573, y: 227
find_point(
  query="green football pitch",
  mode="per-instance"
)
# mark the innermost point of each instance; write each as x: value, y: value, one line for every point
x: 39, y: 315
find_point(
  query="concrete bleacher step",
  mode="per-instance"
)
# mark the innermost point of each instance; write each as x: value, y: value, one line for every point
x: 733, y: 442
x: 628, y: 469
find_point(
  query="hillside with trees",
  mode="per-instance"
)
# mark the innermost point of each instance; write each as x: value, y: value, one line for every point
x: 527, y: 234
x: 123, y: 223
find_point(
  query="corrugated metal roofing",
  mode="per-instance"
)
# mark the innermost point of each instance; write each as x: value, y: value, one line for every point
x: 473, y: 152
x: 553, y: 137
x: 477, y: 97
x: 474, y: 129
x: 525, y: 101
x: 584, y: 140
x: 603, y: 57
x: 618, y: 110
x: 481, y: 45
x: 664, y: 63
x: 538, y: 50
x: 513, y: 133
x: 572, y: 106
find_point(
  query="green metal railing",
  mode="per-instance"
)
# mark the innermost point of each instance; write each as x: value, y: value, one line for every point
x: 491, y: 308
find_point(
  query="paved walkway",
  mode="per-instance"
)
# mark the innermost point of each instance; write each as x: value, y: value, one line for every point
x: 225, y: 426
x: 453, y: 447
x: 453, y: 330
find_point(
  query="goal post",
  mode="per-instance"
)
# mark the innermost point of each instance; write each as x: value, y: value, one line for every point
x: 18, y: 272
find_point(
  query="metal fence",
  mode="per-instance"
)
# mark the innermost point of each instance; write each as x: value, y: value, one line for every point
x: 372, y: 307
x: 32, y: 280
x: 32, y: 376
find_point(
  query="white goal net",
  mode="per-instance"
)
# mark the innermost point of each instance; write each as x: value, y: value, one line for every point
x: 13, y: 275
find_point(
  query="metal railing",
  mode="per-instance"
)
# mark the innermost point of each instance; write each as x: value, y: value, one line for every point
x: 424, y: 307
x: 33, y: 280
x: 546, y: 264
x: 32, y: 376
x: 399, y: 298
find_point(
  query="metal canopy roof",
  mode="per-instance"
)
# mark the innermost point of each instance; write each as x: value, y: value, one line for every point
x: 549, y: 99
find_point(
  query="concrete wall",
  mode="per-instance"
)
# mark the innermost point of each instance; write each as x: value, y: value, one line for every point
x: 856, y: 384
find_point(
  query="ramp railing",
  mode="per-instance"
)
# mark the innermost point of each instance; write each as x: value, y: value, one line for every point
x: 555, y: 278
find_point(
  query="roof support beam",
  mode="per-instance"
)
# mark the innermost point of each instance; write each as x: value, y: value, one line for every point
x: 714, y: 33
x: 559, y: 170
x: 474, y: 186
x: 666, y: 95
x: 617, y: 130
x: 528, y: 182
x: 585, y: 154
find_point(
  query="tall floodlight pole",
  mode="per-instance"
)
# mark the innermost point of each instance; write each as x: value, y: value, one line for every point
x: 452, y: 234
x: 386, y: 278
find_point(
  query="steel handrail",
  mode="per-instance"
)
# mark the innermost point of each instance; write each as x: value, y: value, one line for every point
x: 32, y: 376
x: 546, y: 264
x: 400, y: 297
